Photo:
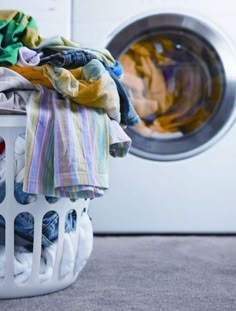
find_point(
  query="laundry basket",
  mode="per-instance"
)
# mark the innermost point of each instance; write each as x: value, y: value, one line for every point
x: 10, y: 128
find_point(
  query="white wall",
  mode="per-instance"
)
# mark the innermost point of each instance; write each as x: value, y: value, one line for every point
x: 53, y: 17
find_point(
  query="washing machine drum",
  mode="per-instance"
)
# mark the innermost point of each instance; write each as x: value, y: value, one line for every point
x: 180, y: 74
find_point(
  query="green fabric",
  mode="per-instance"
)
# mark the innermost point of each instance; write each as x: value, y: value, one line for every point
x: 16, y: 30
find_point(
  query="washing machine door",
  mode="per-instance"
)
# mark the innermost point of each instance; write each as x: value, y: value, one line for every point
x: 180, y: 74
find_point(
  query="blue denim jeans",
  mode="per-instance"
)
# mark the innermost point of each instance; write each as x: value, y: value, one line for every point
x: 24, y: 223
x: 68, y: 59
x: 20, y: 196
x: 2, y: 191
x: 51, y: 200
x: 128, y: 114
x: 24, y: 227
x: 117, y: 69
x: 23, y: 197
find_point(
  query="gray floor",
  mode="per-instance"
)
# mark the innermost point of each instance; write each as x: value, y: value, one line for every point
x: 148, y: 273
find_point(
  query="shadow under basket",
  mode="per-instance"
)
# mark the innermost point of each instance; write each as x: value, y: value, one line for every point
x: 11, y: 126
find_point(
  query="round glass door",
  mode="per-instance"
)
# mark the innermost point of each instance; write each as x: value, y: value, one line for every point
x: 178, y: 74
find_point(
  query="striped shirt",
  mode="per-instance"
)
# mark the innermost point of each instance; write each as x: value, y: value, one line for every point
x: 68, y: 146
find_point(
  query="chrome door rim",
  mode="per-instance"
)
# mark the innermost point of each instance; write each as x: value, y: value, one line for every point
x: 139, y: 28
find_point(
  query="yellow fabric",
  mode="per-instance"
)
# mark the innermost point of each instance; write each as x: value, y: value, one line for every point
x: 31, y: 38
x: 34, y: 75
x: 72, y: 83
x: 7, y: 15
x: 98, y: 93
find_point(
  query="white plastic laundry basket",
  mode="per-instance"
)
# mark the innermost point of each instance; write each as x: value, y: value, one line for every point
x: 10, y: 128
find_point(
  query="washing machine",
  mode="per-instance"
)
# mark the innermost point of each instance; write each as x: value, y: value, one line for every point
x: 179, y: 64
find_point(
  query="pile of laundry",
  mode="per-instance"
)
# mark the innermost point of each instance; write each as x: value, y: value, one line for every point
x: 76, y: 109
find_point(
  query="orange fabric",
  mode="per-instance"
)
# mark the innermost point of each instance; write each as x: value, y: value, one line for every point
x: 189, y: 90
x: 178, y: 106
x: 143, y: 106
x: 154, y: 83
x: 33, y: 74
